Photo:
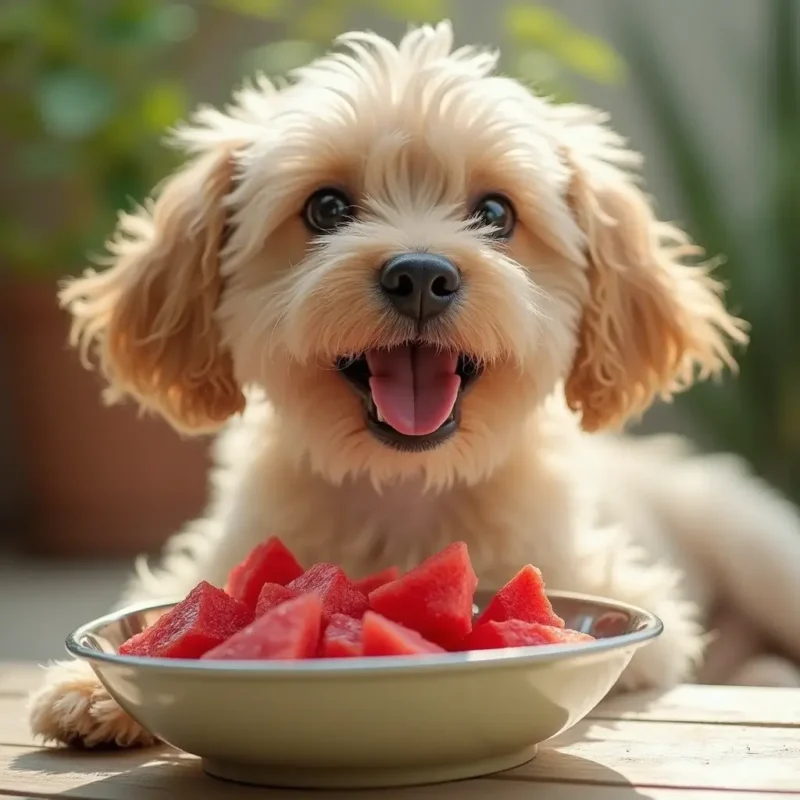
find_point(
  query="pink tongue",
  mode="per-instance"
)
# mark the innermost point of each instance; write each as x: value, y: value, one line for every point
x: 414, y: 387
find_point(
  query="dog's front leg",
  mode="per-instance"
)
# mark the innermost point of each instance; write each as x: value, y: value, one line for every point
x: 73, y: 707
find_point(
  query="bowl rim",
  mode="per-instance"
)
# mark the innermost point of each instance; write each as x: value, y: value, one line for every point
x: 651, y: 628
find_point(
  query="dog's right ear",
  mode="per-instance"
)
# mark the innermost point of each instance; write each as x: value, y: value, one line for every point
x: 149, y: 318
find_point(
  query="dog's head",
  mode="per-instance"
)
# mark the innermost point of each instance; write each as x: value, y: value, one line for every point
x: 408, y: 254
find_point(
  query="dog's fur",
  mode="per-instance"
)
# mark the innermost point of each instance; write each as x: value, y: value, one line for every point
x: 220, y: 309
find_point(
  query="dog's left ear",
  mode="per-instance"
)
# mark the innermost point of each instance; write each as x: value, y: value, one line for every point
x: 653, y: 324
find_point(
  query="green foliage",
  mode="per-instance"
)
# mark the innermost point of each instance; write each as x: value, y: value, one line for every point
x: 757, y: 414
x: 90, y: 86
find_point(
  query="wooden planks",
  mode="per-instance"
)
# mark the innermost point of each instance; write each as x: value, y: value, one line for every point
x: 718, y: 705
x: 698, y: 742
x: 154, y: 776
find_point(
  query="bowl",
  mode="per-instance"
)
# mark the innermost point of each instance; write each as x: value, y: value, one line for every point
x: 369, y: 722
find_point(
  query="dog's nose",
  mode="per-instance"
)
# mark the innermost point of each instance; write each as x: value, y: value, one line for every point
x: 420, y: 285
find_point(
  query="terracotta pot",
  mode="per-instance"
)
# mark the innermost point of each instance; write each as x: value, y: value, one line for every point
x: 97, y: 481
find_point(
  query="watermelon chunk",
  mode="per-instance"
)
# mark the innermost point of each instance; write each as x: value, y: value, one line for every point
x: 382, y: 637
x: 288, y: 631
x: 271, y: 595
x: 516, y: 633
x: 523, y: 598
x: 377, y: 579
x: 269, y: 562
x: 342, y: 638
x: 434, y: 599
x: 200, y: 622
x: 338, y: 594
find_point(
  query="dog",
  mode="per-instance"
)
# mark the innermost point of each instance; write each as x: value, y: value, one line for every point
x: 419, y: 302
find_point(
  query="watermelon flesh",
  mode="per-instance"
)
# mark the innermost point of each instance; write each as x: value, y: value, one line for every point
x: 382, y: 637
x: 377, y: 579
x: 271, y: 595
x: 290, y: 631
x: 342, y: 638
x: 434, y: 599
x: 269, y: 562
x: 339, y: 595
x: 522, y: 598
x: 200, y: 622
x: 517, y: 633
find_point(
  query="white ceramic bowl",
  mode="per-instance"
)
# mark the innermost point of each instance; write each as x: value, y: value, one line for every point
x: 369, y: 722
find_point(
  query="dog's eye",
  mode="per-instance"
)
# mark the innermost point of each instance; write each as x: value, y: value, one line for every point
x: 326, y: 210
x: 496, y: 211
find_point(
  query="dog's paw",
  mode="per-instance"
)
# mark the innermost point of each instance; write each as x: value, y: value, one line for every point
x: 74, y: 708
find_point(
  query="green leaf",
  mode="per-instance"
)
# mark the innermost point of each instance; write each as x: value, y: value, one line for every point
x: 412, y: 10
x: 320, y: 22
x: 591, y: 57
x: 278, y: 58
x: 264, y: 9
x: 176, y: 22
x: 47, y: 159
x: 74, y: 103
x: 163, y: 104
x: 18, y: 18
x: 533, y: 24
x: 142, y: 25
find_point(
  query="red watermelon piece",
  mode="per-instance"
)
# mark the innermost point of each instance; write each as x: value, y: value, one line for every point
x: 516, y: 633
x: 382, y: 637
x: 434, y: 599
x: 200, y: 622
x: 271, y: 595
x: 342, y: 638
x: 377, y: 579
x: 339, y: 595
x: 522, y: 598
x: 287, y: 632
x: 269, y: 562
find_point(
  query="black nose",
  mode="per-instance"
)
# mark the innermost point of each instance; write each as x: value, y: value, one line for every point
x: 420, y: 285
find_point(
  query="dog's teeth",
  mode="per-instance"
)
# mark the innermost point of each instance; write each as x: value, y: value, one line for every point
x: 379, y: 415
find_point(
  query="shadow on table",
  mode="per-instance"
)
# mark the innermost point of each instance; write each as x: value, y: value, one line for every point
x: 162, y: 772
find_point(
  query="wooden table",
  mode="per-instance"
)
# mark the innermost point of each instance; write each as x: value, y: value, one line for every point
x: 703, y: 742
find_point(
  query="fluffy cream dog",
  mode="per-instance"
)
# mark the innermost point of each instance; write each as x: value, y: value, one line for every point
x: 413, y: 292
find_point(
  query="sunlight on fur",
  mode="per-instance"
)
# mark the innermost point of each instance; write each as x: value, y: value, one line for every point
x: 227, y: 304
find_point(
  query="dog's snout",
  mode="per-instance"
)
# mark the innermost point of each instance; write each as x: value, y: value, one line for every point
x: 420, y: 285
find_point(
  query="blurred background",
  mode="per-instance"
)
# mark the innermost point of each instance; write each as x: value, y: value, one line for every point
x: 708, y: 90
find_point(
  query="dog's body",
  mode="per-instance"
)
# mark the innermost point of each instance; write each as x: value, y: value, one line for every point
x: 371, y: 418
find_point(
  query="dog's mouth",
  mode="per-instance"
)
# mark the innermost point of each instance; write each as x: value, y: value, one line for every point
x: 411, y: 392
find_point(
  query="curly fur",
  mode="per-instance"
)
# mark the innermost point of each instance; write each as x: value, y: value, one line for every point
x: 219, y: 310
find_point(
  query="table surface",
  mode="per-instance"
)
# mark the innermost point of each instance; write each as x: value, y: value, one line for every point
x: 698, y: 742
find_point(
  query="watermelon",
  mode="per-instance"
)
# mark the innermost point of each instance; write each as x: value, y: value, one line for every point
x: 517, y: 633
x: 269, y: 562
x: 382, y: 637
x: 372, y: 582
x: 339, y: 595
x: 342, y: 638
x: 200, y: 622
x: 289, y: 631
x: 522, y: 598
x: 434, y: 598
x: 271, y: 595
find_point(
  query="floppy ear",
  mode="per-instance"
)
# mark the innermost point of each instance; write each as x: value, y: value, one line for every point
x: 149, y: 318
x: 654, y: 321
